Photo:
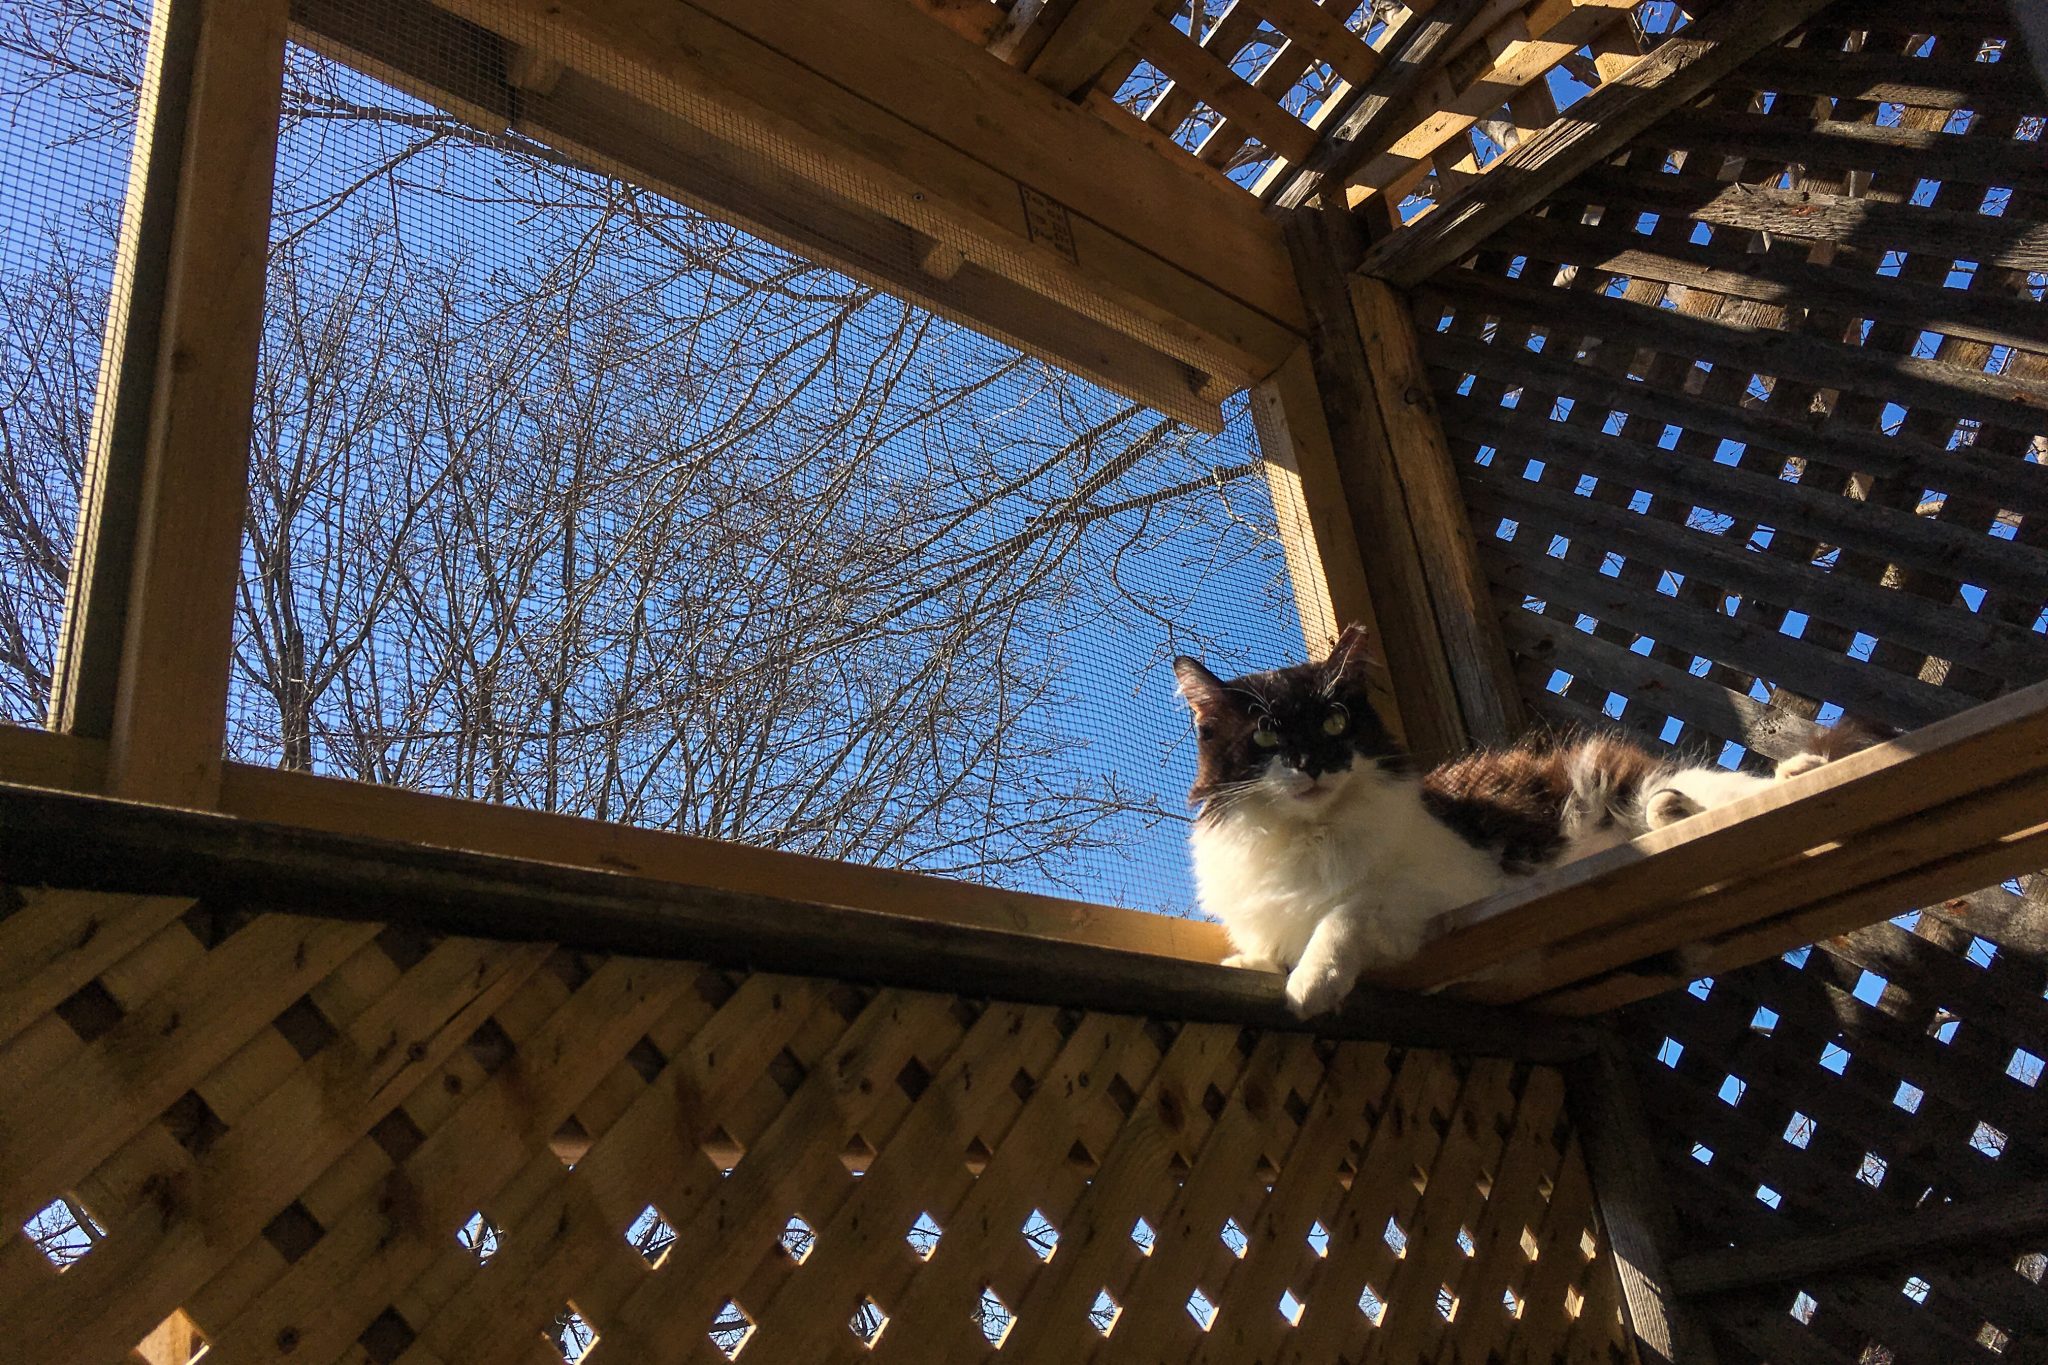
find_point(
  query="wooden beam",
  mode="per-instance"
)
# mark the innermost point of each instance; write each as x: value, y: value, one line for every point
x: 170, y: 699
x: 87, y: 842
x: 1683, y: 67
x: 1426, y: 697
x: 1371, y: 117
x: 1629, y: 1192
x: 1942, y: 811
x: 1467, y: 621
x: 1021, y: 187
x: 2008, y: 1219
x: 88, y: 665
x: 1451, y: 673
x: 1318, y: 533
x: 1086, y: 41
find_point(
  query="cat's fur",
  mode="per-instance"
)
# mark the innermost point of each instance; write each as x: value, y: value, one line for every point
x: 1325, y: 854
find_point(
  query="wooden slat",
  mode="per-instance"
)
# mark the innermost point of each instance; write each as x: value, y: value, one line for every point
x: 1435, y: 513
x: 1198, y: 71
x: 2006, y: 1219
x: 1431, y: 719
x: 1806, y: 216
x: 1501, y: 946
x: 1318, y: 529
x: 1679, y: 70
x: 352, y: 878
x: 170, y: 701
x: 1086, y: 41
x: 1635, y: 1211
x: 1369, y: 121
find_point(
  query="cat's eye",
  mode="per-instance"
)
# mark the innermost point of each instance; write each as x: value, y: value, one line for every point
x: 1266, y: 737
x: 1336, y: 722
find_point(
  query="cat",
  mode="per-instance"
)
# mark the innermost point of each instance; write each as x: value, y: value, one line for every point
x: 1325, y: 853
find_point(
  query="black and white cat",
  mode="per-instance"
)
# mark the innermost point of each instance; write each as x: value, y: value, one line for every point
x: 1324, y: 853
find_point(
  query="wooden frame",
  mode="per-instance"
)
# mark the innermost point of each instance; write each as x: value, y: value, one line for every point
x: 1057, y: 234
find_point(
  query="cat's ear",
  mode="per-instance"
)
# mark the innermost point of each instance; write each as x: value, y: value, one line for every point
x: 1201, y: 689
x: 1350, y: 656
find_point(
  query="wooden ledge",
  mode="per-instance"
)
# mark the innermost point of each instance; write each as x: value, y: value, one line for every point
x: 1941, y: 812
x: 86, y: 842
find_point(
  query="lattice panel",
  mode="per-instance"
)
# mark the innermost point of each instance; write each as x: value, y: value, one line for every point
x: 1251, y: 88
x: 294, y: 1138
x: 1750, y: 419
x: 1889, y: 1071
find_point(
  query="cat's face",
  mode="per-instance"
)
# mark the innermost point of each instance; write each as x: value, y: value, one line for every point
x: 1293, y: 739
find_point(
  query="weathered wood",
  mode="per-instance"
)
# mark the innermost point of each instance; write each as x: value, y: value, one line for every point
x: 1680, y: 69
x: 1774, y: 278
x: 1200, y: 72
x: 92, y: 843
x: 1435, y: 512
x: 1942, y: 81
x: 1369, y: 120
x: 2033, y: 30
x: 1086, y: 40
x: 1930, y: 384
x: 1598, y: 911
x: 1807, y: 216
x: 1634, y: 1209
x: 2012, y: 481
x: 1836, y: 144
x: 1426, y: 692
x: 1318, y: 531
x: 171, y: 699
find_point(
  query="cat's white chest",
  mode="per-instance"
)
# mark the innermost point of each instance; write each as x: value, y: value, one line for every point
x: 1271, y: 879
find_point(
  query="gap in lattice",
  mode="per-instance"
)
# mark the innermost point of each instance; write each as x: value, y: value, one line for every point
x: 1512, y: 1302
x: 650, y: 1235
x: 388, y: 1337
x: 1234, y: 1238
x: 479, y: 1236
x: 572, y: 1334
x: 64, y: 1232
x: 1319, y: 1238
x: 1804, y: 1306
x: 924, y: 1236
x: 1103, y: 1313
x: 797, y: 1238
x: 1373, y: 1304
x: 1465, y: 1243
x: 1396, y: 1237
x: 1446, y: 1303
x: 993, y: 1316
x: 570, y: 1142
x: 731, y: 1329
x: 1143, y: 1237
x: 978, y: 1157
x: 867, y: 1322
x: 1040, y: 1235
x: 1290, y: 1307
x: 1202, y: 1309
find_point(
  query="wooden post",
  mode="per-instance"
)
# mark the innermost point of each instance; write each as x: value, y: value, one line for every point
x: 1316, y: 528
x: 1628, y: 1191
x: 207, y: 152
x: 96, y: 600
x: 1450, y: 671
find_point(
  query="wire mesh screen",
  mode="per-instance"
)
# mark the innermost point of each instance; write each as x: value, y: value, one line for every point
x: 70, y: 76
x: 569, y: 496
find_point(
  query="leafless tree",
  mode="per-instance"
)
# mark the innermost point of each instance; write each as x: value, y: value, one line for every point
x: 568, y: 496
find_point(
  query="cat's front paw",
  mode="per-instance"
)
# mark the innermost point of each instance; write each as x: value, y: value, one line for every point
x: 1799, y: 764
x: 1667, y: 806
x: 1314, y: 989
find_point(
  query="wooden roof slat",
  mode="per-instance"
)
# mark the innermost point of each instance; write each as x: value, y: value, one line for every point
x: 1198, y: 70
x: 1680, y: 69
x: 1224, y: 40
x: 1369, y: 121
x: 1085, y: 42
x: 1319, y: 33
x: 1517, y: 53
